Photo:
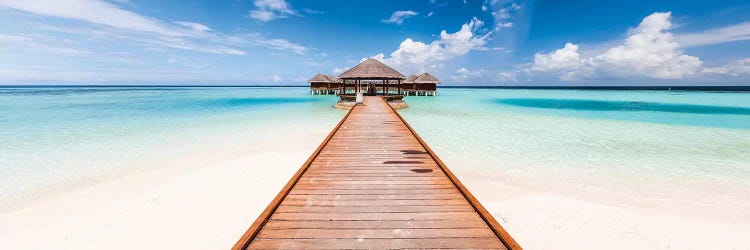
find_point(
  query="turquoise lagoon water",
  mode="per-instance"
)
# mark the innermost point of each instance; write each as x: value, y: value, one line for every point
x: 625, y: 146
x: 51, y: 136
x: 648, y: 145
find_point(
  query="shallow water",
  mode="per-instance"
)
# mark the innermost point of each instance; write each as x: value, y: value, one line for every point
x: 58, y: 135
x: 620, y: 146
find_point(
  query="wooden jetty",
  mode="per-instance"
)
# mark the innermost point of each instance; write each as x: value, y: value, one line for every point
x: 374, y: 183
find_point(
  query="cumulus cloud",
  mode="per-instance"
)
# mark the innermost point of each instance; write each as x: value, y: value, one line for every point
x: 414, y: 56
x: 503, y: 16
x: 267, y: 10
x: 563, y: 59
x: 650, y: 50
x: 503, y: 12
x: 737, y: 68
x: 462, y: 74
x: 338, y: 70
x: 398, y: 17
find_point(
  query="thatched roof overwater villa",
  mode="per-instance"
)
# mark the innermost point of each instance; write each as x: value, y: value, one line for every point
x: 372, y: 77
x: 322, y: 84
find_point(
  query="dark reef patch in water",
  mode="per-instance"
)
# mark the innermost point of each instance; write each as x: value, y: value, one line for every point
x: 597, y: 105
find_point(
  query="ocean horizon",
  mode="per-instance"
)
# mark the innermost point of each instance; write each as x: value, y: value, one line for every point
x: 713, y: 88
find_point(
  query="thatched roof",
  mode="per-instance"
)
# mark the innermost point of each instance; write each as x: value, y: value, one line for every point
x: 426, y: 78
x: 319, y: 78
x: 410, y: 79
x: 332, y: 79
x: 371, y: 69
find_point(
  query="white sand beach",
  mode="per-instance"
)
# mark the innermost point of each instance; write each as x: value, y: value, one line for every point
x: 553, y: 221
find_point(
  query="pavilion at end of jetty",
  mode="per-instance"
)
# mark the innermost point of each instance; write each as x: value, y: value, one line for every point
x: 373, y: 78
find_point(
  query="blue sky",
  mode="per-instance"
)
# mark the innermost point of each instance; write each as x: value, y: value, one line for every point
x: 493, y: 42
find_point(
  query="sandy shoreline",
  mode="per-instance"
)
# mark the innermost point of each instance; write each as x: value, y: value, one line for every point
x: 210, y: 200
x: 205, y: 203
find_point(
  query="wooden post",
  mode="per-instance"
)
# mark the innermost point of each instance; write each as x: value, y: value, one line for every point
x: 386, y: 88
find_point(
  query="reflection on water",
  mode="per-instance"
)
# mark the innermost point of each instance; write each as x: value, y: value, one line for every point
x: 595, y: 105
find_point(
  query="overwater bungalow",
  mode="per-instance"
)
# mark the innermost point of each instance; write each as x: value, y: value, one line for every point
x: 409, y: 86
x: 426, y: 84
x: 372, y: 77
x: 322, y: 84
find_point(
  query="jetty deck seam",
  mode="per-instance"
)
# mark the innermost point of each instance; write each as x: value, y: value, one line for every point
x: 374, y: 183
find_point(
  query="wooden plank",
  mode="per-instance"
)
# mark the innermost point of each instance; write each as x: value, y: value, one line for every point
x: 377, y: 216
x: 442, y: 243
x: 381, y: 191
x: 359, y: 197
x: 373, y: 209
x: 355, y: 224
x: 374, y: 182
x: 373, y: 187
x: 368, y: 203
x: 347, y: 233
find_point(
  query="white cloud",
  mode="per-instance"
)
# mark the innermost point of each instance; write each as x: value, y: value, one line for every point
x: 398, y: 17
x: 737, y: 68
x: 462, y: 74
x: 565, y: 61
x: 312, y: 11
x: 430, y: 14
x: 13, y: 38
x: 649, y: 51
x: 733, y: 33
x: 338, y: 70
x: 112, y: 22
x: 507, y: 77
x: 414, y: 56
x: 276, y: 78
x: 177, y: 43
x: 41, y: 44
x: 283, y: 44
x: 94, y: 11
x: 503, y: 15
x: 267, y: 10
x: 194, y: 26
